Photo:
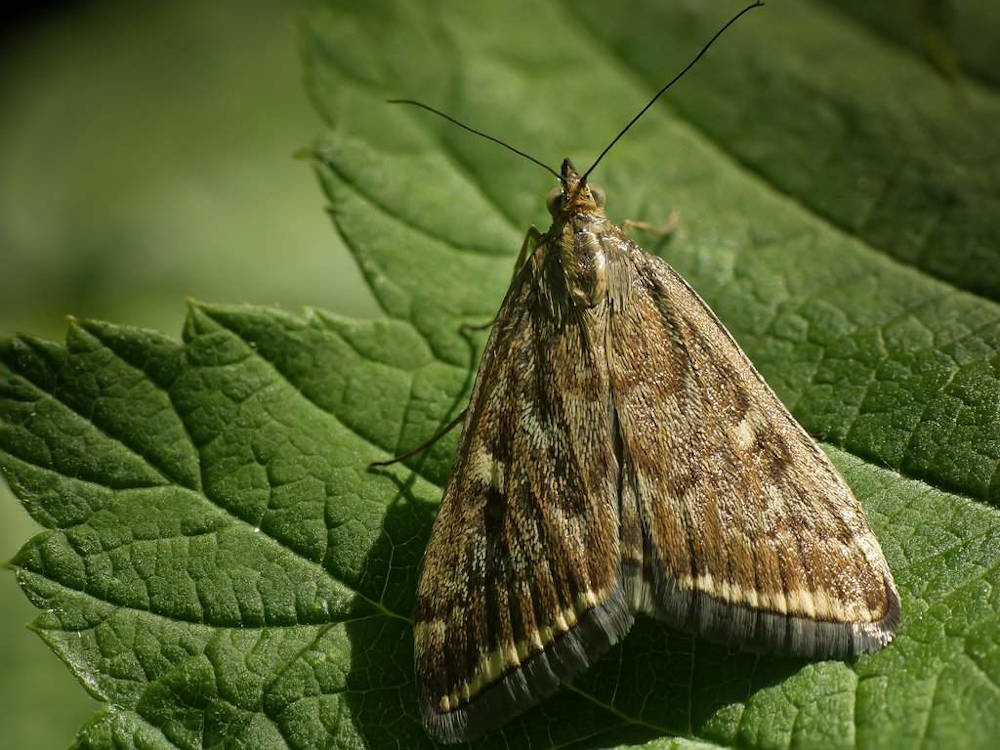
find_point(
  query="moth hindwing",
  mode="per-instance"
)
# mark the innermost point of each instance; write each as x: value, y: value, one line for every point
x: 622, y: 455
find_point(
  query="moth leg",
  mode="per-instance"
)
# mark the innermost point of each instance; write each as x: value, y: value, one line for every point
x: 532, y: 239
x: 477, y: 327
x: 673, y: 221
x: 424, y: 445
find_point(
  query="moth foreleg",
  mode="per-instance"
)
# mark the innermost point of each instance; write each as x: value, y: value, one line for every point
x: 673, y: 221
x: 477, y: 326
x: 532, y: 239
x: 424, y: 445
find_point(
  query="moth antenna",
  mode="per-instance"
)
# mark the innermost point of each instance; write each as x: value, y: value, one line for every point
x: 488, y: 137
x: 674, y: 80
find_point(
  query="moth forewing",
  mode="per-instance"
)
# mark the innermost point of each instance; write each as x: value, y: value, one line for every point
x: 755, y: 539
x: 621, y: 454
x: 520, y: 588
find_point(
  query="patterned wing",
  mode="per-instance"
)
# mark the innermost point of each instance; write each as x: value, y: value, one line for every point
x: 749, y: 535
x: 520, y: 588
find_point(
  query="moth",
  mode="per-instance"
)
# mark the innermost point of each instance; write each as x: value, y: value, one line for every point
x: 621, y: 455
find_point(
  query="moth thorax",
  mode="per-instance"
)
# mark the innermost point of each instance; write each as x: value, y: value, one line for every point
x: 586, y: 269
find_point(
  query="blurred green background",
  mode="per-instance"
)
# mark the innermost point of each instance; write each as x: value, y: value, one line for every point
x: 147, y: 157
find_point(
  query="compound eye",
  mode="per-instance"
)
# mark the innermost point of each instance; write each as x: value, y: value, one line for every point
x: 553, y: 201
x: 598, y: 195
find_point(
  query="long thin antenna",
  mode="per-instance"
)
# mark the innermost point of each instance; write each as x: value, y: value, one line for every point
x: 488, y: 137
x: 672, y: 82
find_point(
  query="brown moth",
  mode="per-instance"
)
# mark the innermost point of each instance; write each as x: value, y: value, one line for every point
x: 621, y: 455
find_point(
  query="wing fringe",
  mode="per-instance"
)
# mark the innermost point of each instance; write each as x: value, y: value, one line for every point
x: 540, y: 675
x: 759, y: 630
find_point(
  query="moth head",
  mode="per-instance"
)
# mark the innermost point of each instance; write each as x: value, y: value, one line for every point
x: 574, y: 194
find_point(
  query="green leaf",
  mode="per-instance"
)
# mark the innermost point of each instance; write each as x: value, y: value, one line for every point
x: 220, y: 568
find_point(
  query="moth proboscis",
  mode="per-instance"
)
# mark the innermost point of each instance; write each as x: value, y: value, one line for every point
x: 620, y: 455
